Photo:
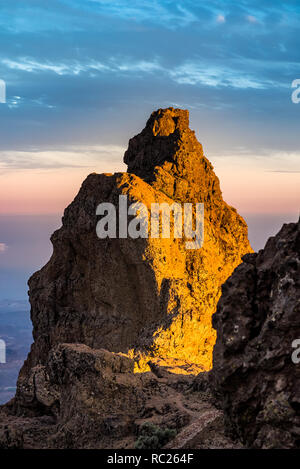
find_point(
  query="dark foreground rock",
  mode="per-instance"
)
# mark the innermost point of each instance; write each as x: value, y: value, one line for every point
x: 85, y: 398
x: 257, y: 321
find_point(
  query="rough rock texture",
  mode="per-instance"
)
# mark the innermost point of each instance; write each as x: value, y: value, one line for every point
x: 144, y: 297
x: 257, y: 320
x: 85, y: 398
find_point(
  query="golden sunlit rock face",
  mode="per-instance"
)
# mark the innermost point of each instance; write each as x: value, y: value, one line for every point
x: 168, y: 156
x: 151, y: 298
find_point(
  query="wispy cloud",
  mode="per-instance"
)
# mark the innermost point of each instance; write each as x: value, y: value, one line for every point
x: 3, y: 247
x: 192, y: 73
x: 66, y: 157
x: 104, y: 66
x: 27, y: 64
x: 252, y: 19
x: 266, y: 160
x: 284, y: 171
x: 196, y: 72
x: 221, y: 19
x: 14, y: 102
x: 167, y: 14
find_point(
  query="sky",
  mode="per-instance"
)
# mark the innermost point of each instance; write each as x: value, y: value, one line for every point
x: 82, y: 77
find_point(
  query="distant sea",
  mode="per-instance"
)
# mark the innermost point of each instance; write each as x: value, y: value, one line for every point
x: 16, y: 331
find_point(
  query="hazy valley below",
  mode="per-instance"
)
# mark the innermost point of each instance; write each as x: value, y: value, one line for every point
x: 15, y: 330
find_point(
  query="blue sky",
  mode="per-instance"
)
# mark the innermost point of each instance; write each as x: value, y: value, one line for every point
x: 83, y: 76
x: 85, y: 71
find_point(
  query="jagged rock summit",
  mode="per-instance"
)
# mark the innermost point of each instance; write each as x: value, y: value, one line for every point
x: 149, y: 298
x: 168, y: 155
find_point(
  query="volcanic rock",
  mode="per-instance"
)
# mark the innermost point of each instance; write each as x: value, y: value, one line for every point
x: 87, y: 398
x: 104, y: 308
x: 256, y: 369
x: 150, y: 298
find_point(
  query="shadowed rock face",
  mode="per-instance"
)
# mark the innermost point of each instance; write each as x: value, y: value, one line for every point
x: 144, y: 297
x: 87, y: 398
x: 257, y: 320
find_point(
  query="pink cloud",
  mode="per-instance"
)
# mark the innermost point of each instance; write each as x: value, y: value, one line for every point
x: 3, y: 247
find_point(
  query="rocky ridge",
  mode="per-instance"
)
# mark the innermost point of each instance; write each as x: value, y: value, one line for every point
x: 255, y: 374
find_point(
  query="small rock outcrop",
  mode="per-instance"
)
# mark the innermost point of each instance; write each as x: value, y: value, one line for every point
x: 255, y: 373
